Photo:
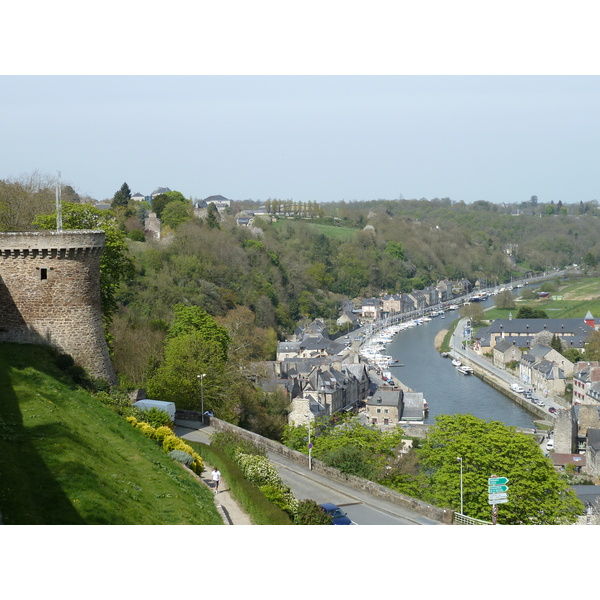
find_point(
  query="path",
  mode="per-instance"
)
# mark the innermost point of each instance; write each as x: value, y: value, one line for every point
x: 226, y: 504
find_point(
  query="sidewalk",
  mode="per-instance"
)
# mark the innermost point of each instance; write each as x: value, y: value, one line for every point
x: 228, y: 508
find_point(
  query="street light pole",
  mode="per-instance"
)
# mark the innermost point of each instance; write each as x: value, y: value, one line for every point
x: 459, y: 458
x: 201, y: 378
x: 309, y: 445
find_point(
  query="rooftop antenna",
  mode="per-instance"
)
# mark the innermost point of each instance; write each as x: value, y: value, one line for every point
x: 58, y: 205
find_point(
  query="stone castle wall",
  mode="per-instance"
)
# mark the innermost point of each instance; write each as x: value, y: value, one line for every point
x: 50, y: 294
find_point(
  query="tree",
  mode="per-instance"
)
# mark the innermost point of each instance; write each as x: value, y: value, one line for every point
x: 473, y: 311
x: 176, y: 378
x: 175, y: 213
x: 116, y: 266
x: 21, y: 200
x: 189, y: 319
x: 212, y: 216
x: 505, y: 300
x: 160, y: 202
x: 121, y: 197
x: 537, y: 494
x: 527, y: 312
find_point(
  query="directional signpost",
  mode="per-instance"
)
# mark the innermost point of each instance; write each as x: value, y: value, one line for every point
x: 497, y: 494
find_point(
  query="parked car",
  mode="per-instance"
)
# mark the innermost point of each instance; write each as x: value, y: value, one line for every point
x: 527, y: 394
x: 550, y: 445
x: 552, y: 409
x: 339, y: 516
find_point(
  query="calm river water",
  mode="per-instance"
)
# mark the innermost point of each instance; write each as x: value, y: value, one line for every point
x: 445, y: 389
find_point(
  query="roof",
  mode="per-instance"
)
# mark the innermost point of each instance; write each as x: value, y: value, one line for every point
x: 533, y: 326
x: 385, y: 398
x: 413, y: 406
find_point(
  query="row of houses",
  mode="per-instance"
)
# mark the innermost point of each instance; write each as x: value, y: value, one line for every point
x: 417, y: 300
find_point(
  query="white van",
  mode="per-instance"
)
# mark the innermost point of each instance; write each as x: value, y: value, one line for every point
x: 550, y: 445
x: 515, y: 387
x: 168, y: 407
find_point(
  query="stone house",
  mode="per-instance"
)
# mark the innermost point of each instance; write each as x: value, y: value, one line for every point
x: 505, y: 352
x: 347, y: 319
x: 392, y: 303
x: 419, y: 299
x: 385, y: 407
x: 544, y: 368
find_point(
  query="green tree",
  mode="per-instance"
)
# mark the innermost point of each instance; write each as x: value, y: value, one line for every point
x: 176, y: 213
x: 395, y: 250
x: 527, y: 312
x: 160, y: 201
x: 537, y: 494
x: 121, y: 197
x: 176, y: 378
x: 24, y: 198
x: 505, y: 300
x: 212, y: 216
x: 116, y: 266
x: 189, y: 319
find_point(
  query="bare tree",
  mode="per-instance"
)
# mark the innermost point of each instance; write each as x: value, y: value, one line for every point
x: 23, y: 198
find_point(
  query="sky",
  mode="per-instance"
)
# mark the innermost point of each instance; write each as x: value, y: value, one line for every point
x: 321, y: 138
x: 258, y: 102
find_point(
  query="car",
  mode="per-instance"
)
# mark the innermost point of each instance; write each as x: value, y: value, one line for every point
x: 540, y: 403
x: 527, y: 394
x: 339, y: 516
x: 552, y: 409
x: 550, y: 445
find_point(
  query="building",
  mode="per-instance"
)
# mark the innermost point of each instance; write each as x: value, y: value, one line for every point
x: 50, y: 294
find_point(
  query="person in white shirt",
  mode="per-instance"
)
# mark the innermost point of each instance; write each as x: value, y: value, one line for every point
x: 216, y: 477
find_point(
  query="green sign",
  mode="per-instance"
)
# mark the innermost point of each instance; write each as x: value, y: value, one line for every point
x: 497, y: 480
x: 496, y: 489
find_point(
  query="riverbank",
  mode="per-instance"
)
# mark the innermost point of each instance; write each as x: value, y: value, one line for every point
x: 439, y: 339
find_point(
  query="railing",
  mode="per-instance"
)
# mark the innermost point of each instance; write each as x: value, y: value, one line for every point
x: 464, y: 520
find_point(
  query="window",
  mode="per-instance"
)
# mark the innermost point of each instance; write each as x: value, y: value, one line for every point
x: 43, y: 274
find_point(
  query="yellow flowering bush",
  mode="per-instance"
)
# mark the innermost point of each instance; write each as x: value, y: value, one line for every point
x: 162, y: 432
x: 132, y: 421
x: 146, y: 429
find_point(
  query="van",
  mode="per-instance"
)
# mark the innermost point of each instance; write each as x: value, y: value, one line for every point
x: 168, y: 407
x: 515, y: 387
x: 549, y: 445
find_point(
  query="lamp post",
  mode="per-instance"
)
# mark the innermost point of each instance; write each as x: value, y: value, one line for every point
x: 459, y: 458
x: 309, y: 445
x: 201, y: 378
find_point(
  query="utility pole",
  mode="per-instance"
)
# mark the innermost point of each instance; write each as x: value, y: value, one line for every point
x: 58, y: 204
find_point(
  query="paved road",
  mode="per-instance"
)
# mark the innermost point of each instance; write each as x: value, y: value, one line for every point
x: 362, y: 507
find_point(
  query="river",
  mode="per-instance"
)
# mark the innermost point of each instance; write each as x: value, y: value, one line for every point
x: 445, y: 389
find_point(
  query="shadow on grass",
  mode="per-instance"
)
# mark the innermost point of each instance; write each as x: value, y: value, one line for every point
x: 29, y: 491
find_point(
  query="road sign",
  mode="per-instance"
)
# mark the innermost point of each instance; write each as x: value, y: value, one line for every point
x: 499, y: 496
x: 495, y: 489
x: 501, y: 501
x: 497, y: 480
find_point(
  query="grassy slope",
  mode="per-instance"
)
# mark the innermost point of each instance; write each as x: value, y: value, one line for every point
x: 67, y: 459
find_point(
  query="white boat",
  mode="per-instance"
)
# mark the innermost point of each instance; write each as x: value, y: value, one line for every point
x: 465, y: 370
x: 456, y: 362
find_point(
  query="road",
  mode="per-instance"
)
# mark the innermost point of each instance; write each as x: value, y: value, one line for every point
x: 361, y: 507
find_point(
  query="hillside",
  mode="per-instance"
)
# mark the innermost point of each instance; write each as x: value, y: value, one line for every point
x: 67, y: 459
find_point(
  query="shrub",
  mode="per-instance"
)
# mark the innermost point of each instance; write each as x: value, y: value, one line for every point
x: 257, y: 469
x: 282, y: 496
x: 309, y: 512
x: 146, y: 429
x: 161, y: 432
x: 182, y: 457
x: 156, y: 417
x: 231, y: 443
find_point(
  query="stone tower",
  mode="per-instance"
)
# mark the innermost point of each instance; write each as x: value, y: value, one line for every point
x: 50, y: 294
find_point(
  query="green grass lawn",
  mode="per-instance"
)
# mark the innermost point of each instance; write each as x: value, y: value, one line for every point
x: 65, y: 458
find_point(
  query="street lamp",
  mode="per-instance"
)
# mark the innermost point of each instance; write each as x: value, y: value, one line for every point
x: 459, y: 458
x: 309, y: 445
x: 201, y: 378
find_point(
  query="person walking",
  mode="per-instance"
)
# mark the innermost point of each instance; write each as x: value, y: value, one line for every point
x: 216, y: 477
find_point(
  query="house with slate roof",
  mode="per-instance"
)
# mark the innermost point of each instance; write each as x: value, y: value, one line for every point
x: 544, y: 368
x: 572, y: 332
x: 392, y: 303
x: 385, y: 407
x: 505, y: 352
x: 371, y: 308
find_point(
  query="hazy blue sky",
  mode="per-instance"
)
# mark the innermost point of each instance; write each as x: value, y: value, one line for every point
x: 322, y: 138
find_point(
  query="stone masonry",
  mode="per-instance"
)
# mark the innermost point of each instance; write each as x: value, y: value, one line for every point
x: 50, y: 294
